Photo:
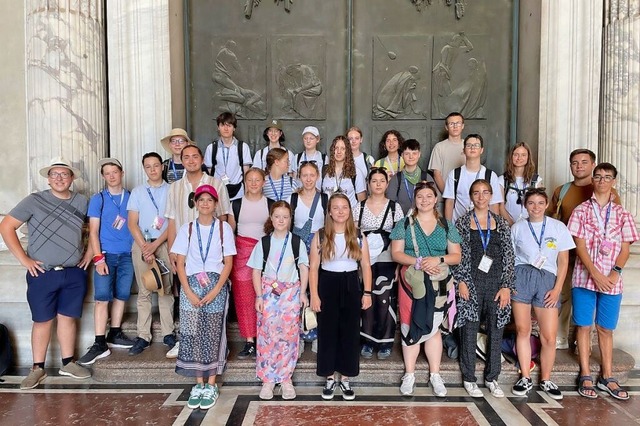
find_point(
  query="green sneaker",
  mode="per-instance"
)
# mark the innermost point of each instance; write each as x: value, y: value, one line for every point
x: 195, y: 397
x: 209, y: 396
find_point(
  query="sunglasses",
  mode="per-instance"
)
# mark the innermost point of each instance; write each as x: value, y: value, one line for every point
x: 191, y: 201
x: 302, y: 163
x: 424, y: 184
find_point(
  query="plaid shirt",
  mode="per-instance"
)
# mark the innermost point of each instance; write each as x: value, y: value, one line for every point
x: 584, y: 224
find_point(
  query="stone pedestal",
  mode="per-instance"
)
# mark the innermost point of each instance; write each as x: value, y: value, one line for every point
x: 65, y: 88
x: 139, y: 82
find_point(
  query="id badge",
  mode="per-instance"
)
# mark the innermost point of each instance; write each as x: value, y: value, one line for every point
x: 157, y: 223
x: 539, y: 262
x: 606, y: 247
x: 203, y: 279
x: 485, y: 264
x: 275, y: 288
x: 225, y: 179
x: 119, y: 222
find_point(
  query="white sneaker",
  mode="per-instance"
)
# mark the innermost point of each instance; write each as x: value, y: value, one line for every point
x: 266, y: 392
x: 314, y: 346
x: 562, y: 343
x: 473, y: 389
x: 494, y: 387
x: 173, y: 352
x: 438, y: 385
x: 408, y: 380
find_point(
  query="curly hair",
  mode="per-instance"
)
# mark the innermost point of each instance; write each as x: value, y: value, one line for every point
x: 349, y: 167
x: 529, y: 168
x: 382, y: 148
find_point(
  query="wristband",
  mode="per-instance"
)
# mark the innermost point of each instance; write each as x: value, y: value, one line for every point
x: 418, y: 262
x: 369, y: 292
x: 98, y: 258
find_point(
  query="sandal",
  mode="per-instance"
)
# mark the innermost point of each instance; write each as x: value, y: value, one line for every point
x: 603, y: 384
x: 586, y: 391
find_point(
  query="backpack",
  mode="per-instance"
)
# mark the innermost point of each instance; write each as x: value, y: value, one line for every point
x: 322, y: 155
x: 324, y: 200
x: 212, y: 224
x: 236, y: 205
x: 456, y: 179
x: 508, y: 187
x: 563, y: 192
x: 6, y: 350
x: 423, y: 176
x: 384, y: 234
x: 295, y: 245
x: 214, y: 154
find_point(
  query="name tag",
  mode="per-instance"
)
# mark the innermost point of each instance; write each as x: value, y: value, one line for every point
x: 119, y: 222
x: 539, y: 262
x: 606, y: 247
x: 203, y: 279
x: 485, y: 264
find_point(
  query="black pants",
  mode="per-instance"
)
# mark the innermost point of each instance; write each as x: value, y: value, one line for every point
x: 339, y: 323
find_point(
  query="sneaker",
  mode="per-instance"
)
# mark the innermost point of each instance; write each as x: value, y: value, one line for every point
x: 347, y: 393
x: 195, y: 396
x: 384, y: 353
x: 551, y: 389
x: 406, y: 387
x: 249, y: 350
x: 95, y: 352
x: 495, y: 389
x: 266, y: 392
x: 74, y: 370
x: 138, y: 346
x: 562, y: 343
x: 288, y: 391
x: 473, y: 389
x: 35, y: 377
x: 522, y: 386
x: 119, y: 340
x: 173, y: 353
x: 170, y: 340
x: 329, y: 388
x: 366, y: 352
x: 438, y: 385
x: 209, y: 396
x: 314, y: 346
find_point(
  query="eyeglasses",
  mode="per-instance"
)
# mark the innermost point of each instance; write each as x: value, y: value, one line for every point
x: 455, y: 124
x: 473, y: 145
x: 177, y: 141
x: 191, y: 200
x: 59, y: 175
x: 606, y: 178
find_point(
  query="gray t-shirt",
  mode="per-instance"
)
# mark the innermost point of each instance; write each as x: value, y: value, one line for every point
x: 55, y: 227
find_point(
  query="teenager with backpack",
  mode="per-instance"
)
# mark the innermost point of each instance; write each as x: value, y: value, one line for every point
x: 362, y: 160
x: 341, y: 175
x: 402, y: 185
x: 274, y: 136
x: 389, y: 150
x: 278, y: 185
x: 310, y: 140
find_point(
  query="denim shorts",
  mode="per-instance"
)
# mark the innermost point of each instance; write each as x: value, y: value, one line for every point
x: 56, y: 292
x: 532, y: 284
x: 586, y: 303
x: 117, y: 283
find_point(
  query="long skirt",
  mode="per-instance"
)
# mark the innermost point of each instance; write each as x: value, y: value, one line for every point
x: 242, y: 288
x: 203, y: 331
x: 278, y: 333
x: 379, y: 322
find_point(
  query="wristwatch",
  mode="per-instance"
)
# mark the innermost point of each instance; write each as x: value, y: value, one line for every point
x: 617, y: 269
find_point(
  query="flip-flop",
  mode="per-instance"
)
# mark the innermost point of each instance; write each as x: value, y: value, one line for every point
x: 582, y: 389
x: 603, y: 384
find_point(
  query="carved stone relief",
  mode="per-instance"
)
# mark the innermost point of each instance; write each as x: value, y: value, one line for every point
x: 239, y: 77
x: 250, y: 4
x: 459, y: 79
x: 400, y: 85
x: 459, y: 6
x: 299, y: 72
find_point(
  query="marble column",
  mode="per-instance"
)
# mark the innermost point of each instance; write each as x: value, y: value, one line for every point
x: 570, y: 61
x: 65, y: 87
x: 620, y: 142
x: 139, y: 81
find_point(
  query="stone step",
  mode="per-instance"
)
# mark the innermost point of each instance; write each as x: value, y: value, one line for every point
x: 130, y: 329
x: 153, y: 367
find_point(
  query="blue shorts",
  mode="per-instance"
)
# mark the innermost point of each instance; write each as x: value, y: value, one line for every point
x: 56, y: 292
x: 532, y: 284
x: 587, y: 302
x: 119, y: 280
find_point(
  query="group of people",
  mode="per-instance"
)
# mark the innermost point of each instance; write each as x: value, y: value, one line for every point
x: 361, y: 243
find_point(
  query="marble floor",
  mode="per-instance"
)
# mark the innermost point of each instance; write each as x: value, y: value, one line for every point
x: 64, y: 401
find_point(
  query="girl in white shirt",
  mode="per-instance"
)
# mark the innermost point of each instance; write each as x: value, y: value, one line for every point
x: 520, y: 175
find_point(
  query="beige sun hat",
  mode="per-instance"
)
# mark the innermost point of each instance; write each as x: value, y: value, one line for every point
x: 59, y: 162
x: 175, y: 132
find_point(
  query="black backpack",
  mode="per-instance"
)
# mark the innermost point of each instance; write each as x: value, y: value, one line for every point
x: 214, y: 161
x: 295, y: 245
x: 236, y: 205
x: 323, y: 156
x: 6, y: 350
x: 456, y: 178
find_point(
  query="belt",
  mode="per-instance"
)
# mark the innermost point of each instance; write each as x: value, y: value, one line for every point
x: 57, y: 268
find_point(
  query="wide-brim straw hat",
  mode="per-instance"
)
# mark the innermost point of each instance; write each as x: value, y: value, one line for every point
x: 175, y: 132
x: 59, y: 162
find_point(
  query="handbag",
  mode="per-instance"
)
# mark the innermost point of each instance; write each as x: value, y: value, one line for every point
x: 309, y: 319
x: 444, y: 274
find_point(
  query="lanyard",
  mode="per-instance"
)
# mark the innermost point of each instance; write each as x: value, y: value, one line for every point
x: 485, y: 243
x: 225, y: 159
x: 602, y: 226
x: 284, y: 248
x: 406, y: 185
x: 173, y: 167
x: 388, y: 160
x: 118, y: 206
x: 538, y: 241
x: 273, y: 187
x: 204, y: 255
x: 153, y: 201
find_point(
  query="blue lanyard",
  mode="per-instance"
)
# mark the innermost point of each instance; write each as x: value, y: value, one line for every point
x: 204, y: 256
x: 173, y: 167
x: 225, y: 160
x: 118, y: 206
x: 153, y: 201
x: 406, y: 185
x: 539, y: 241
x: 602, y: 227
x: 284, y: 248
x: 275, y: 193
x: 485, y: 243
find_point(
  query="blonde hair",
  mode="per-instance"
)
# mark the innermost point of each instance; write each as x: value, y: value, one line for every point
x: 257, y: 171
x: 328, y: 247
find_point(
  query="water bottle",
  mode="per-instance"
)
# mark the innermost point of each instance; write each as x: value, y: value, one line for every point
x: 147, y: 235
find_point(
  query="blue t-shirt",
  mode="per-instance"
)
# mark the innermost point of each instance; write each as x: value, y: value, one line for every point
x: 107, y: 207
x: 149, y: 202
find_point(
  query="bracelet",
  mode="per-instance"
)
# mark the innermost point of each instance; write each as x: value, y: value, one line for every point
x: 258, y: 296
x: 369, y: 292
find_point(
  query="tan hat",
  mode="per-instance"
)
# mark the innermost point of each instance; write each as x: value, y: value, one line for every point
x: 59, y: 162
x: 175, y: 132
x: 152, y: 279
x: 109, y: 160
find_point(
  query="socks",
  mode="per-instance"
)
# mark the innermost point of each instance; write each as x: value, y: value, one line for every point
x: 38, y: 364
x: 101, y: 340
x: 66, y: 361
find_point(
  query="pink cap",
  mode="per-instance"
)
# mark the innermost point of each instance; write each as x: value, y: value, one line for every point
x: 206, y: 189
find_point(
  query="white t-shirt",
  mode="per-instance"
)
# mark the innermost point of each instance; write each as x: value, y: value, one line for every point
x: 301, y: 215
x: 462, y: 201
x: 556, y: 238
x: 341, y: 262
x: 287, y: 272
x: 191, y: 248
x: 228, y: 162
x: 363, y: 164
x: 331, y: 183
x: 260, y: 159
x: 517, y: 211
x: 318, y: 157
